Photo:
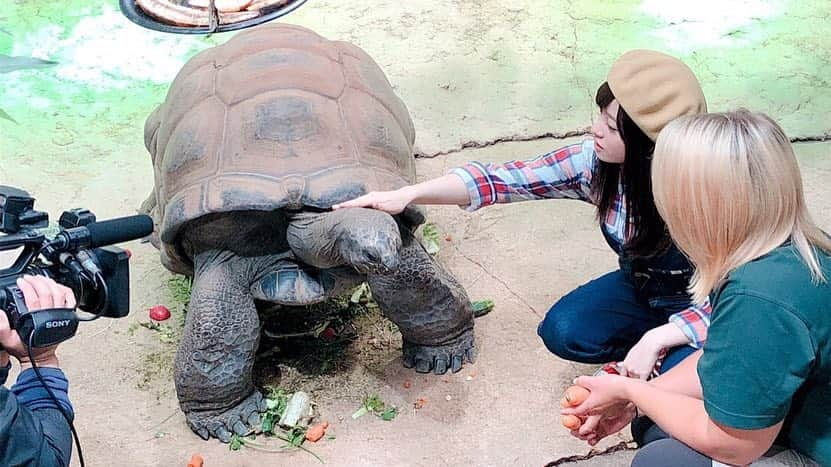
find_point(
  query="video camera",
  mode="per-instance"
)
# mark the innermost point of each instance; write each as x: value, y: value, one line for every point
x: 80, y: 256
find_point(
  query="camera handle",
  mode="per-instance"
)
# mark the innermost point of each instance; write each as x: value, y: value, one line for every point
x: 41, y: 328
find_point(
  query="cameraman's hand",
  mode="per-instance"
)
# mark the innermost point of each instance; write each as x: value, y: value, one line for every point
x: 39, y: 293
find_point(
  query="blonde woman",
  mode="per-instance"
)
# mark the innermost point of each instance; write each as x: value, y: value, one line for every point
x: 729, y: 189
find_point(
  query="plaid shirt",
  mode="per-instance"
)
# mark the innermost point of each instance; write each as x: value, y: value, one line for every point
x: 565, y: 173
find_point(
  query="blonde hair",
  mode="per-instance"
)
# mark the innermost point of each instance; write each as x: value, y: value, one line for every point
x: 729, y: 189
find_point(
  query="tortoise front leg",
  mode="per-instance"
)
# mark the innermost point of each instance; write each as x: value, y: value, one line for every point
x: 215, y: 358
x: 430, y: 308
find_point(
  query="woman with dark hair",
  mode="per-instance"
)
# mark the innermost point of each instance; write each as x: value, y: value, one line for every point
x: 637, y: 313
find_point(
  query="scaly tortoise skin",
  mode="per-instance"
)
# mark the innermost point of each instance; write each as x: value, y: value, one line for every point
x: 255, y: 142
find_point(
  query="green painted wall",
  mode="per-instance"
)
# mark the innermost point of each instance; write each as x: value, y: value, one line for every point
x: 468, y: 70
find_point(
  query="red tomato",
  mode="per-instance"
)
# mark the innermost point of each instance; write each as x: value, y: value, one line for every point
x: 159, y: 313
x: 328, y: 334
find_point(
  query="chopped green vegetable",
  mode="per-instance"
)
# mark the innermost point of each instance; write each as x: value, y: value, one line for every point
x: 373, y: 404
x: 431, y: 238
x: 359, y: 293
x: 236, y: 443
x: 360, y: 412
x: 482, y: 307
x: 389, y: 414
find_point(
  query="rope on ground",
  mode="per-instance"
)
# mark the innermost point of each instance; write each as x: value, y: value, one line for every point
x: 621, y: 446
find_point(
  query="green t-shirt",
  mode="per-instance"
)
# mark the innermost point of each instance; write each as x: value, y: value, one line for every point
x: 768, y: 352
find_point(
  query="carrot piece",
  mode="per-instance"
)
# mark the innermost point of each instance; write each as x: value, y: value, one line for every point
x: 314, y: 433
x: 574, y: 396
x: 196, y: 461
x: 572, y: 422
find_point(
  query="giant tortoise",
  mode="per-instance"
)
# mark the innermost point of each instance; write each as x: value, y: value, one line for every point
x: 255, y: 141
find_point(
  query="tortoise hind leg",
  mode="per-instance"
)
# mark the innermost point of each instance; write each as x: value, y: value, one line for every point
x: 430, y: 308
x: 215, y: 358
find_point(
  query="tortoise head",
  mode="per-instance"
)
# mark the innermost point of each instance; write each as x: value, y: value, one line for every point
x: 371, y: 243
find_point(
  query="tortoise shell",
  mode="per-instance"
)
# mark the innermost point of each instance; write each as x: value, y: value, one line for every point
x: 277, y: 117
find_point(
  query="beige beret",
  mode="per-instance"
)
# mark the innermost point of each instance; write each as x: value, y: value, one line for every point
x: 654, y: 89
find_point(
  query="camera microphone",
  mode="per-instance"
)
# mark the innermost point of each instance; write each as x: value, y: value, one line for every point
x: 98, y: 234
x: 121, y: 229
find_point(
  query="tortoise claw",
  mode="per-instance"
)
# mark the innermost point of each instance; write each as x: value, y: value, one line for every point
x: 440, y: 358
x: 223, y: 435
x: 457, y: 363
x: 240, y: 428
x: 441, y: 366
x: 471, y: 354
x: 220, y: 424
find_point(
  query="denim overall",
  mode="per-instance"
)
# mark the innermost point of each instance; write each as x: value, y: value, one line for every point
x: 600, y: 321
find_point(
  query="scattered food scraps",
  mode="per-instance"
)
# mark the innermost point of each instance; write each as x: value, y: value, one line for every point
x: 278, y: 403
x: 419, y: 403
x: 166, y: 332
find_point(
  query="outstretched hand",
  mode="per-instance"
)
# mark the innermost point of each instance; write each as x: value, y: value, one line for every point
x: 640, y: 361
x: 392, y: 202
